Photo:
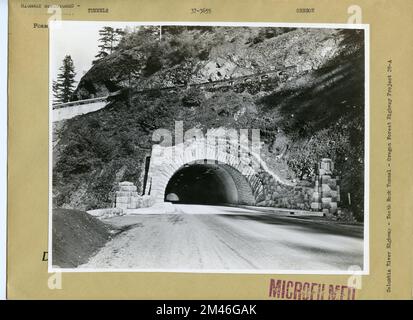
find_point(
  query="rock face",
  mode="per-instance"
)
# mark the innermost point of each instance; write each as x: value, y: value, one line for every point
x: 203, y: 55
x: 303, y: 88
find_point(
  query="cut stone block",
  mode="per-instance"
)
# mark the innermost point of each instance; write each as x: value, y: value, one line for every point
x: 325, y: 179
x: 325, y: 188
x: 333, y: 183
x: 124, y: 193
x: 121, y: 205
x: 325, y: 205
x: 316, y: 206
x: 128, y: 188
x: 325, y: 200
x: 133, y: 204
x: 125, y: 183
x: 326, y: 194
x: 123, y: 199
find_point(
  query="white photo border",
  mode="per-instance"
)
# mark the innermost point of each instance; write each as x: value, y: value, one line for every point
x: 366, y: 239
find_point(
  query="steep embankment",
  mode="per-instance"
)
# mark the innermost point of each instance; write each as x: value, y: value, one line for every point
x: 314, y: 108
x: 76, y: 237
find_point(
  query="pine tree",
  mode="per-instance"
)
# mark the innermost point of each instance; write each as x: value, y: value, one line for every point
x: 55, y: 90
x: 109, y: 39
x: 64, y: 86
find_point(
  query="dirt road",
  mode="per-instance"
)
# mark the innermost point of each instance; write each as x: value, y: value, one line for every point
x: 229, y: 238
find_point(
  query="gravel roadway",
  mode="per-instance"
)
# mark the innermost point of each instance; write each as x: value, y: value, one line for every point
x: 213, y: 238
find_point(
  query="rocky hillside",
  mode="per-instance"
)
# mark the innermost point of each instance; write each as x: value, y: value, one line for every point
x: 311, y: 104
x: 200, y: 54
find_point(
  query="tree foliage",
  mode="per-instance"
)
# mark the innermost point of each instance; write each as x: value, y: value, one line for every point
x: 64, y: 86
x: 109, y: 39
x: 343, y: 143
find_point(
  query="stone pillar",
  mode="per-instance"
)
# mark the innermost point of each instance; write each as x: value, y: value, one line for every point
x: 326, y: 194
x: 316, y: 199
x: 127, y: 197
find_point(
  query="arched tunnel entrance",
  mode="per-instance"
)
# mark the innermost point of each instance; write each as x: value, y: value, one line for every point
x: 208, y: 183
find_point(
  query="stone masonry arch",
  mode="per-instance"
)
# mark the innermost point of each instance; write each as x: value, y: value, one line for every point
x: 242, y: 178
x: 167, y: 160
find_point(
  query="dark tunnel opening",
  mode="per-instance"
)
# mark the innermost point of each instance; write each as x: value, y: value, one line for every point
x: 205, y: 183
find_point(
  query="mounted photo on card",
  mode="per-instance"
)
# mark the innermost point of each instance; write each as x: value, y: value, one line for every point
x: 208, y: 147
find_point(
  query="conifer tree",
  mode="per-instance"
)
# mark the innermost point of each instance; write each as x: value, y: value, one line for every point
x: 64, y: 86
x: 109, y: 39
x: 55, y: 90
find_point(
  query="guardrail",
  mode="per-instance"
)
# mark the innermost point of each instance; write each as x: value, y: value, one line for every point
x: 231, y: 81
x: 78, y: 102
x: 85, y: 101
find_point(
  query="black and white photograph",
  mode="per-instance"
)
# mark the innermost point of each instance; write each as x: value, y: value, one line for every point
x: 208, y: 147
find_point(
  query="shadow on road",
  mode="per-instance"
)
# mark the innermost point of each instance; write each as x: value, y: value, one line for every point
x: 303, y: 225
